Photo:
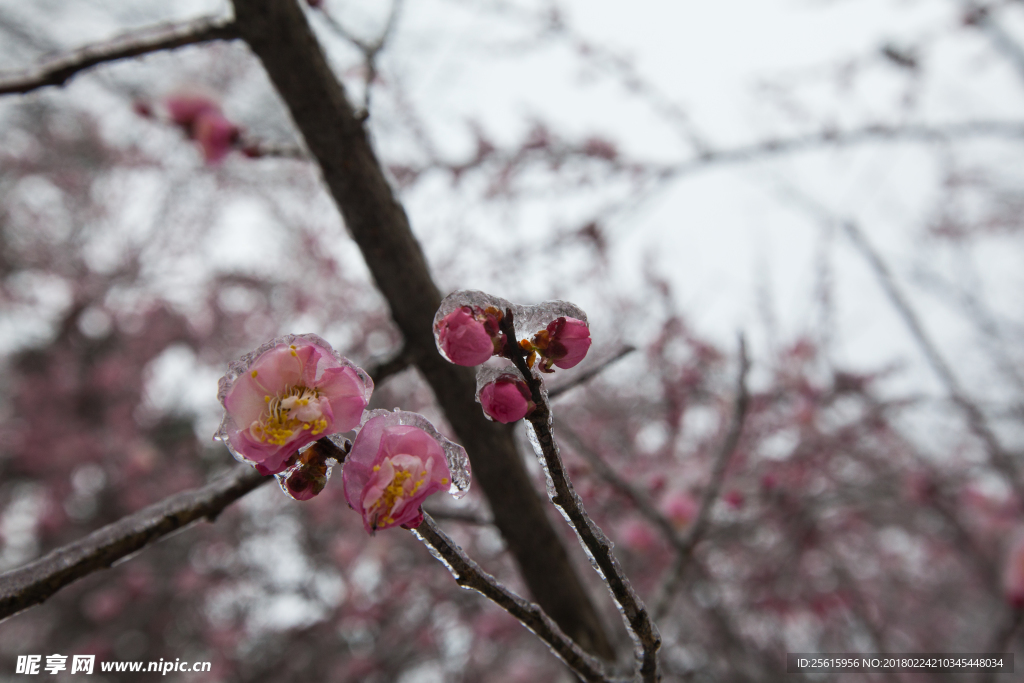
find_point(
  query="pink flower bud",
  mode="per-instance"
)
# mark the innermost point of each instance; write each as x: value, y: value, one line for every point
x: 506, y: 400
x: 286, y: 394
x: 564, y: 343
x: 215, y: 134
x: 1013, y: 573
x: 391, y: 470
x: 681, y: 509
x: 468, y: 336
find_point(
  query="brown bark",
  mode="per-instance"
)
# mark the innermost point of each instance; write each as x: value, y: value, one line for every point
x: 35, y: 582
x: 279, y: 35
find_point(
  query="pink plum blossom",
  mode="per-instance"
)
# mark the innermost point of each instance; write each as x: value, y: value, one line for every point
x: 506, y: 400
x: 216, y: 135
x: 680, y: 508
x: 638, y: 535
x: 1013, y: 573
x: 469, y: 335
x: 563, y: 344
x: 203, y: 121
x: 185, y: 108
x: 287, y: 394
x: 391, y: 470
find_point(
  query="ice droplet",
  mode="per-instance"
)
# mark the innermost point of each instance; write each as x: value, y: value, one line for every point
x: 529, y: 319
x: 455, y: 455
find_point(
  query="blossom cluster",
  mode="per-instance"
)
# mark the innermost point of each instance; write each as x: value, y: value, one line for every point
x: 283, y: 400
x: 468, y: 329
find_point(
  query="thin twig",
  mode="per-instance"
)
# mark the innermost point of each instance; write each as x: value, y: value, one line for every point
x: 58, y: 69
x: 469, y: 575
x: 459, y: 516
x: 976, y: 419
x: 370, y: 49
x: 1003, y: 639
x: 685, y: 545
x: 564, y: 497
x: 35, y: 582
x: 590, y: 373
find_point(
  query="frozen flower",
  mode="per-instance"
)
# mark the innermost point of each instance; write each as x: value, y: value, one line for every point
x: 506, y: 400
x: 469, y: 335
x: 1013, y: 573
x: 397, y: 461
x: 563, y: 344
x: 286, y: 394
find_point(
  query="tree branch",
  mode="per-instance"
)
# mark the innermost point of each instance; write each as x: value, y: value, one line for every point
x: 563, y: 496
x: 58, y: 69
x: 976, y: 420
x: 684, y: 550
x: 590, y: 373
x: 278, y: 33
x: 35, y: 582
x: 469, y: 575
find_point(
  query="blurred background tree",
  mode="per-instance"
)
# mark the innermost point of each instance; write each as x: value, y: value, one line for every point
x: 841, y: 181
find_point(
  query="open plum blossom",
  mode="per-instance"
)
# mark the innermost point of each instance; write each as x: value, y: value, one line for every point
x: 469, y: 335
x: 286, y: 394
x: 563, y: 344
x: 393, y: 467
x: 506, y: 400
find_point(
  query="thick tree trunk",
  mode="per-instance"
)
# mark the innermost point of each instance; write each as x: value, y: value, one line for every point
x: 279, y: 35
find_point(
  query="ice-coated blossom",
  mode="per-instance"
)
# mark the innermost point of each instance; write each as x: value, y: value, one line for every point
x: 398, y: 460
x: 286, y: 394
x: 1013, y: 573
x: 469, y: 335
x: 506, y: 400
x: 564, y: 343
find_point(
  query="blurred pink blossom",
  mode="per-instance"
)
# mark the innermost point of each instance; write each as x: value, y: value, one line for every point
x: 506, y: 400
x: 563, y: 344
x: 467, y: 336
x: 638, y: 535
x: 391, y: 471
x: 680, y: 508
x: 204, y: 122
x: 1013, y: 573
x: 286, y: 395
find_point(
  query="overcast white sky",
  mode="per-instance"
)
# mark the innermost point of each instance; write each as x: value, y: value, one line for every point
x: 725, y: 237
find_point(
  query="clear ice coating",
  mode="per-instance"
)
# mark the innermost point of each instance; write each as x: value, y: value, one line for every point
x: 458, y: 461
x: 601, y: 543
x: 529, y: 320
x: 239, y: 367
x: 328, y: 464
